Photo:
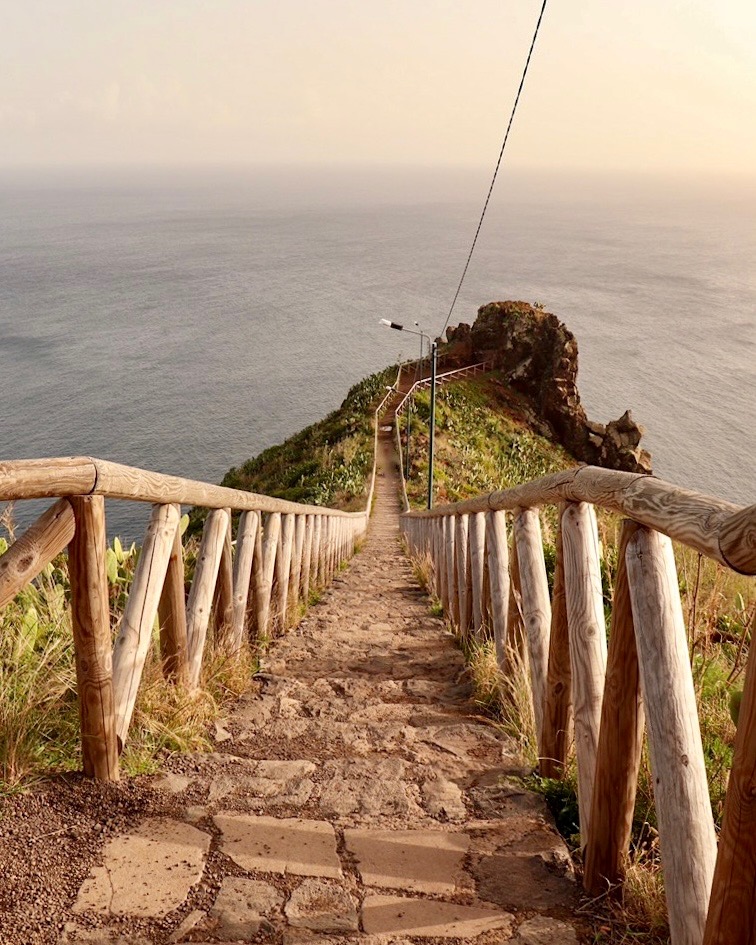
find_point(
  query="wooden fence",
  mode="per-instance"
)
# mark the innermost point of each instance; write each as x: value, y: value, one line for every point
x: 606, y: 696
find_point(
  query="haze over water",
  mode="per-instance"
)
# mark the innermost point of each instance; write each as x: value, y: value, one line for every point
x: 183, y: 321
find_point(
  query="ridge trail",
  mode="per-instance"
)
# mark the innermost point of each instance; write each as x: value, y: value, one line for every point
x: 355, y: 796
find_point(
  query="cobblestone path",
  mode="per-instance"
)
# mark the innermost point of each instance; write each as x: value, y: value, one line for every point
x: 354, y: 797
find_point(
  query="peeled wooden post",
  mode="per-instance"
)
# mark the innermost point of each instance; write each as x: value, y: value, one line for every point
x: 498, y: 570
x: 461, y: 548
x: 515, y: 624
x: 35, y: 549
x: 585, y: 619
x: 477, y: 525
x: 557, y: 713
x: 317, y: 542
x: 444, y: 563
x: 295, y: 578
x: 620, y: 742
x: 307, y: 558
x: 732, y: 908
x: 223, y: 598
x: 283, y: 569
x: 270, y: 542
x: 451, y: 569
x: 172, y: 617
x: 536, y: 607
x: 203, y: 585
x: 245, y: 551
x: 256, y: 611
x: 90, y: 618
x: 135, y: 633
x: 683, y: 809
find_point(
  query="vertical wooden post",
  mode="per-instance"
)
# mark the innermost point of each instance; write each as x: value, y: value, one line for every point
x: 245, y: 551
x: 732, y: 909
x: 620, y: 742
x: 295, y: 579
x: 307, y: 557
x: 515, y: 624
x: 585, y: 619
x: 172, y: 618
x: 283, y: 569
x: 557, y: 713
x: 683, y: 809
x: 270, y: 543
x: 256, y: 609
x: 135, y: 633
x: 498, y: 570
x: 444, y: 564
x: 203, y: 585
x: 536, y: 607
x: 451, y: 570
x: 223, y: 598
x: 477, y: 524
x: 317, y: 551
x: 90, y: 617
x: 461, y: 548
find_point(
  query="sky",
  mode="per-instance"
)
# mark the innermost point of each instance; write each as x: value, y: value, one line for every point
x: 648, y: 86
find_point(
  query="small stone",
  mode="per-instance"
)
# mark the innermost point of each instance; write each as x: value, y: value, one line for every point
x: 240, y: 906
x: 222, y: 734
x: 543, y: 930
x: 186, y: 926
x: 172, y: 783
x: 443, y: 799
x: 322, y: 907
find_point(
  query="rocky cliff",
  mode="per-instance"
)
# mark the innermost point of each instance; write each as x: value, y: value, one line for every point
x: 538, y: 356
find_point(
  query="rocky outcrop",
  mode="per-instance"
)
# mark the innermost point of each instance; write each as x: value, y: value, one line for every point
x: 538, y: 356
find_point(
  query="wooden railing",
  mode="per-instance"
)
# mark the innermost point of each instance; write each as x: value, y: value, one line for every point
x: 248, y: 585
x: 457, y: 374
x: 605, y: 694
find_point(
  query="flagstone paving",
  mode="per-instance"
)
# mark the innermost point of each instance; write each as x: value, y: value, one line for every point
x: 355, y: 796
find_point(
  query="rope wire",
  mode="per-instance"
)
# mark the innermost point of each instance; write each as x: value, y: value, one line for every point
x: 498, y: 165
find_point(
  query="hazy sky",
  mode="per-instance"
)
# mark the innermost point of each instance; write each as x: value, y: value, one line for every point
x: 646, y: 85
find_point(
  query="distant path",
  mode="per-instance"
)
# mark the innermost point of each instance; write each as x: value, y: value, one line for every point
x: 356, y: 796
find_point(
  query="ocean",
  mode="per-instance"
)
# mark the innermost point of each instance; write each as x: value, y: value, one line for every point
x: 183, y: 320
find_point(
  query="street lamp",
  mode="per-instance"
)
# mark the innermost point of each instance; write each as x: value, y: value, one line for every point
x: 433, y: 349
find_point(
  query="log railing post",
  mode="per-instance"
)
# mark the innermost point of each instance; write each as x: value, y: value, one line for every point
x: 283, y: 570
x: 203, y: 586
x: 620, y: 741
x: 451, y: 571
x: 461, y: 548
x: 270, y: 542
x: 557, y: 713
x: 515, y: 626
x: 683, y: 809
x: 90, y: 613
x: 172, y: 617
x: 223, y: 598
x: 317, y: 552
x: 245, y: 550
x: 498, y: 570
x: 295, y: 579
x: 536, y: 607
x: 306, y: 570
x: 587, y: 630
x: 477, y: 523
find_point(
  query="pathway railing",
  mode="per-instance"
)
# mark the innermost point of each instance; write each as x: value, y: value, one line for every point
x: 250, y: 583
x: 605, y: 694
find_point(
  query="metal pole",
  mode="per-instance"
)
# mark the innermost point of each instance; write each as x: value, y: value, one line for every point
x: 434, y: 354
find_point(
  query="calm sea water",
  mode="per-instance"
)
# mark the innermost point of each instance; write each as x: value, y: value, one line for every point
x: 185, y: 320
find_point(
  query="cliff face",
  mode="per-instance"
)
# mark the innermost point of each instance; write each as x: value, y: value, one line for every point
x: 538, y: 357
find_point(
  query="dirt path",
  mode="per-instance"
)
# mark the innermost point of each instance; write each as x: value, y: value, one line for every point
x: 355, y: 797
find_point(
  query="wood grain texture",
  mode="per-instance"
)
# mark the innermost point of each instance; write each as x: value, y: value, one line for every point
x: 269, y: 552
x: 36, y: 548
x: 536, y: 606
x: 620, y: 741
x: 557, y: 712
x: 246, y: 537
x: 446, y: 579
x: 90, y: 619
x: 223, y: 596
x: 317, y: 552
x: 737, y: 540
x: 462, y: 551
x: 516, y: 638
x: 295, y: 575
x: 172, y: 617
x: 256, y: 606
x: 497, y: 552
x: 201, y: 593
x: 587, y: 631
x: 306, y: 570
x: 732, y: 908
x: 283, y: 571
x: 451, y: 570
x: 135, y: 632
x: 683, y: 809
x: 45, y: 478
x: 477, y: 525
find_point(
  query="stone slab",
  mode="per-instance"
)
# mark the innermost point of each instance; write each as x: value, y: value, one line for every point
x: 416, y: 860
x: 523, y: 882
x: 240, y: 907
x: 543, y: 930
x: 146, y: 873
x: 280, y: 845
x: 428, y: 918
x: 322, y: 907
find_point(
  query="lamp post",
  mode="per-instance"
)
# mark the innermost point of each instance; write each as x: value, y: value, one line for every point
x: 433, y: 349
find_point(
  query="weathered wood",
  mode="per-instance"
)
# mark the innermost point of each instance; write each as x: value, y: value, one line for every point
x: 36, y: 548
x: 477, y: 537
x: 732, y: 909
x: 497, y: 553
x: 256, y: 606
x: 283, y: 570
x: 557, y: 712
x: 737, y: 540
x: 536, y: 607
x: 317, y: 552
x: 451, y: 570
x: 587, y: 630
x: 683, y: 809
x: 620, y: 742
x: 246, y: 537
x: 172, y: 616
x: 270, y: 542
x: 461, y: 548
x: 516, y: 639
x: 223, y: 596
x: 90, y: 619
x: 135, y: 632
x: 306, y: 572
x: 201, y: 594
x: 43, y: 478
x: 295, y: 578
